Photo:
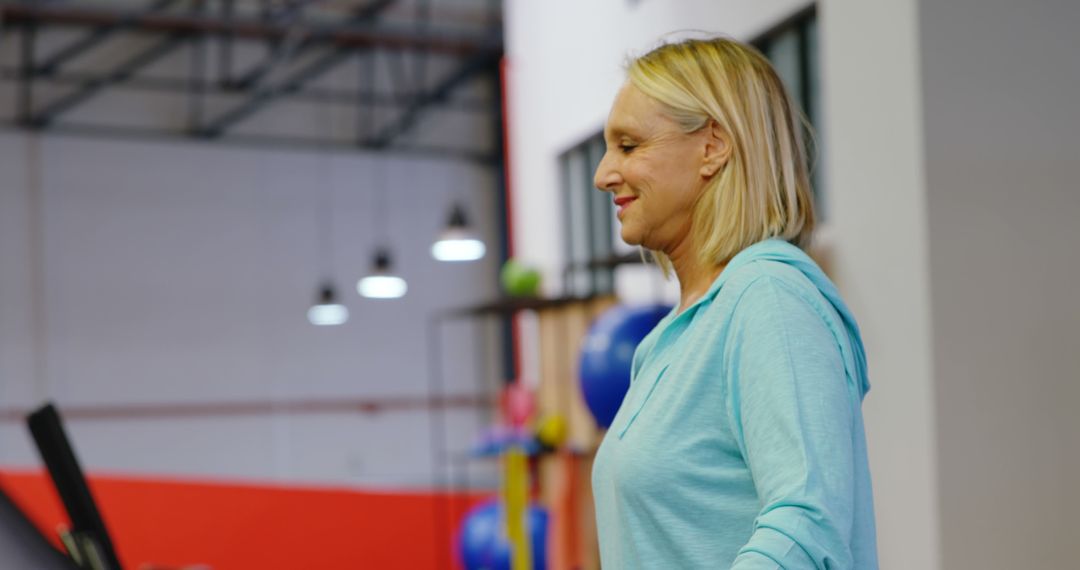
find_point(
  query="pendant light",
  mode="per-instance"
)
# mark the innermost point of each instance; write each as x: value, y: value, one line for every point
x: 326, y: 311
x: 458, y: 242
x: 381, y: 283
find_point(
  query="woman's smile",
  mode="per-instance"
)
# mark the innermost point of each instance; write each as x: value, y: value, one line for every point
x: 622, y: 203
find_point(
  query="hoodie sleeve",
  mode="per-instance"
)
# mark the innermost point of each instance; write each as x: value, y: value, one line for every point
x: 792, y: 410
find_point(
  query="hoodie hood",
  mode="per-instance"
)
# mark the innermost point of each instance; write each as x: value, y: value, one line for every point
x: 783, y: 252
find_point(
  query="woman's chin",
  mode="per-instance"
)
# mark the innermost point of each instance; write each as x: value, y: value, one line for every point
x: 631, y: 238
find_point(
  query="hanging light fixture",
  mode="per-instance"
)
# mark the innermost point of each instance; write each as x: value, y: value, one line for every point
x: 381, y: 283
x: 327, y: 311
x: 458, y: 242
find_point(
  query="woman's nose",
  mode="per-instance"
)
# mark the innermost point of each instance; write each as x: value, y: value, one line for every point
x: 606, y: 178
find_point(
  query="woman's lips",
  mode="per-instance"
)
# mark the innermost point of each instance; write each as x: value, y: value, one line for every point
x: 623, y: 203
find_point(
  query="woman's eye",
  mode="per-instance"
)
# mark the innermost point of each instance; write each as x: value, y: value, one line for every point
x: 626, y: 148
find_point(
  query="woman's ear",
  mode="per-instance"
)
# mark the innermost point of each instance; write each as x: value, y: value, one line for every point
x: 718, y: 149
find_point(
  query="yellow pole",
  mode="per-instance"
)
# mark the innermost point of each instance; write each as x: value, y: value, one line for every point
x: 516, y: 499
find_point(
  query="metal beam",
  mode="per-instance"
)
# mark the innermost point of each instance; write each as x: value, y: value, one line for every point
x: 264, y: 95
x: 91, y: 39
x: 178, y: 86
x: 363, y: 15
x: 294, y: 83
x: 233, y: 409
x: 365, y: 113
x: 197, y: 73
x: 423, y: 18
x: 123, y: 71
x: 341, y: 35
x: 289, y: 143
x: 225, y: 48
x: 412, y: 113
x: 25, y: 103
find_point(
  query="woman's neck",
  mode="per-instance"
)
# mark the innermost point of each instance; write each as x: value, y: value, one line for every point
x: 694, y: 277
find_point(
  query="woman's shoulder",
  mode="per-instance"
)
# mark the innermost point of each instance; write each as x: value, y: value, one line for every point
x: 761, y: 275
x: 766, y: 290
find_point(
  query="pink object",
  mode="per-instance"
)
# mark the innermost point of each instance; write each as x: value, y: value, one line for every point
x: 519, y: 404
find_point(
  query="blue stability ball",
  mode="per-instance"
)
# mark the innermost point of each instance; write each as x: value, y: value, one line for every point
x: 483, y: 537
x: 607, y: 353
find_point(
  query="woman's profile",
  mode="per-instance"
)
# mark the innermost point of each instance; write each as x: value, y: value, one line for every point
x: 740, y: 442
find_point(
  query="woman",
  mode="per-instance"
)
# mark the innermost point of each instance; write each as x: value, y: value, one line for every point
x: 740, y: 442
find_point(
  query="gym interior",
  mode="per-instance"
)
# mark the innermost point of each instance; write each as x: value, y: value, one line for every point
x: 297, y: 284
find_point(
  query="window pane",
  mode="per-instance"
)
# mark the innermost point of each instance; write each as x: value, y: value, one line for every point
x: 577, y: 208
x: 600, y: 222
x: 589, y: 215
x: 784, y: 53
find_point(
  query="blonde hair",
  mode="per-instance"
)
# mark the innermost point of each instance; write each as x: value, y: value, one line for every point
x: 764, y: 189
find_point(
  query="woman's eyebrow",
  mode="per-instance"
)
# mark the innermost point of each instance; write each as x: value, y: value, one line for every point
x: 618, y: 131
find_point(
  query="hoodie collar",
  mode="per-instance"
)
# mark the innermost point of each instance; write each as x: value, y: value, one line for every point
x: 781, y: 251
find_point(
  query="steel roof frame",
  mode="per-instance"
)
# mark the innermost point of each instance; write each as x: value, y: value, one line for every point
x: 479, y: 54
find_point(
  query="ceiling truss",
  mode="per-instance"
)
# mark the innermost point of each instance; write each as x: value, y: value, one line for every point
x: 298, y: 51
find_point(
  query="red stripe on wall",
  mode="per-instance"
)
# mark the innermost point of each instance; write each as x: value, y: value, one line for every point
x: 240, y: 527
x: 504, y: 66
x: 515, y: 320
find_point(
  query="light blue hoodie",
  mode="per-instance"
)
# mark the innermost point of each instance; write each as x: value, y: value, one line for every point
x: 740, y: 442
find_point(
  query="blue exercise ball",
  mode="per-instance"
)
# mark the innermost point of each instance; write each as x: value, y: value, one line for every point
x: 483, y: 541
x: 608, y: 352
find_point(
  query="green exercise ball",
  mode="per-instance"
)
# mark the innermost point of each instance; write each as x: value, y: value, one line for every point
x: 519, y: 279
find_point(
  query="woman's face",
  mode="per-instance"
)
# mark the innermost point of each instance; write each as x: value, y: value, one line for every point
x: 653, y: 170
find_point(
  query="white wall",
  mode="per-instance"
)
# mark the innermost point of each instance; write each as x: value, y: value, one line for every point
x: 999, y: 92
x: 872, y: 129
x: 165, y: 273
